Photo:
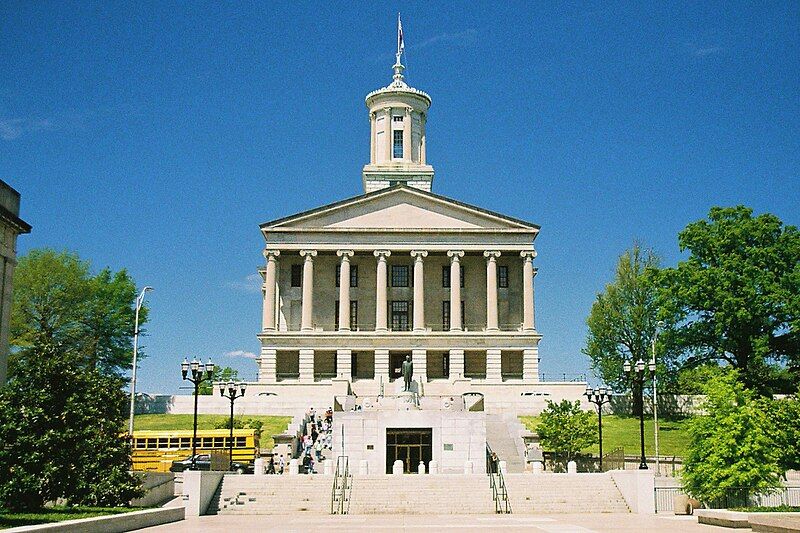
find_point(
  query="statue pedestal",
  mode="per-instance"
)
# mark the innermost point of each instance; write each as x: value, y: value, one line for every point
x: 407, y: 401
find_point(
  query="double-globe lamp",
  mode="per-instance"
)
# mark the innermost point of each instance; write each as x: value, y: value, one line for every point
x: 232, y: 391
x: 599, y: 397
x: 199, y: 373
x: 638, y: 373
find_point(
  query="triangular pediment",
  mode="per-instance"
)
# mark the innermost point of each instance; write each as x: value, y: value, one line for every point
x: 401, y: 208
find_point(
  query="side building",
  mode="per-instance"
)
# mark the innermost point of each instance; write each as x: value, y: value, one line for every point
x: 11, y: 226
x: 354, y: 287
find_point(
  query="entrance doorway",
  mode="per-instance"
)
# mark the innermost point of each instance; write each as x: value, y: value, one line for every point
x: 410, y: 445
x: 396, y: 363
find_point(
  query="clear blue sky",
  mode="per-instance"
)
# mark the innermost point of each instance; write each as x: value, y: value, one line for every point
x: 157, y: 136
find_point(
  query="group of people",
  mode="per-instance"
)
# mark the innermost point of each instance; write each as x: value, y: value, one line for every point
x: 317, y: 437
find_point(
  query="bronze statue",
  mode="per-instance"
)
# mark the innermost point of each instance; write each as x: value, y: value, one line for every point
x: 407, y: 369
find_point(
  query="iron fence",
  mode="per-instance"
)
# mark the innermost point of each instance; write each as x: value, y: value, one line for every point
x: 734, y: 497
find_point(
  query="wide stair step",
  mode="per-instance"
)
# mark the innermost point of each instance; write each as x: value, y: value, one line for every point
x: 564, y: 493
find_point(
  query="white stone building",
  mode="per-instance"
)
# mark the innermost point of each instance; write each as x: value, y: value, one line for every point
x: 448, y: 283
x: 11, y: 226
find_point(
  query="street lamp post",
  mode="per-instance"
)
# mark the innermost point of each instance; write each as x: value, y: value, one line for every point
x: 200, y: 373
x: 139, y: 303
x: 659, y: 325
x: 599, y: 397
x: 638, y: 373
x: 229, y: 390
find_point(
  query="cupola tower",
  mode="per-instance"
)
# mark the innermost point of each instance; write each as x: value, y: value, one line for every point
x: 397, y: 116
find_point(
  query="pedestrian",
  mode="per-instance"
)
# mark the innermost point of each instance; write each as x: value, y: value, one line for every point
x: 281, y: 464
x: 271, y: 465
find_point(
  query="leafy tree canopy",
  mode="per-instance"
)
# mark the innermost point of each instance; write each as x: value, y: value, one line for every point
x: 732, y: 447
x: 736, y: 299
x: 60, y: 429
x: 783, y: 426
x: 223, y: 374
x: 566, y: 429
x: 623, y: 319
x: 58, y: 301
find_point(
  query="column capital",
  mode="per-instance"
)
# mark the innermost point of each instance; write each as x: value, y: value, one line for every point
x: 419, y: 254
x: 408, y: 110
x: 372, y: 115
x: 491, y: 255
x: 455, y: 255
x: 528, y: 255
x: 308, y: 254
x: 382, y: 254
x: 270, y: 255
x: 345, y: 254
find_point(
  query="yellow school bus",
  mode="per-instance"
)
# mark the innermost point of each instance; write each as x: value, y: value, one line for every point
x: 154, y: 451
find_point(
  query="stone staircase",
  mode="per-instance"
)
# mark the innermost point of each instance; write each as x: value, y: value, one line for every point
x: 422, y: 494
x: 564, y: 493
x: 507, y: 445
x: 252, y: 495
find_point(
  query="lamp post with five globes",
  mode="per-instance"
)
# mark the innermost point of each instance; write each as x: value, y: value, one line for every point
x: 232, y: 391
x: 638, y: 373
x: 200, y: 373
x: 599, y: 397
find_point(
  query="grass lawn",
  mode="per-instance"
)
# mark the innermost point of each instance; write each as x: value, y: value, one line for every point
x: 273, y: 425
x: 673, y: 437
x: 57, y: 514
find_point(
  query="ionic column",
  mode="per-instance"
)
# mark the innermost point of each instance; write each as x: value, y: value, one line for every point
x: 455, y: 289
x: 268, y: 314
x: 389, y: 134
x: 344, y: 289
x: 307, y: 317
x: 491, y: 290
x: 381, y: 304
x: 372, y: 129
x: 527, y: 289
x: 407, y: 135
x: 419, y: 289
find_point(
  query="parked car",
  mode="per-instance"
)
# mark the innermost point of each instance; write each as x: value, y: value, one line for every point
x: 203, y: 462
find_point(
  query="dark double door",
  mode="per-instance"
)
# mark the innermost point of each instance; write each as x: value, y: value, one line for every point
x: 410, y: 445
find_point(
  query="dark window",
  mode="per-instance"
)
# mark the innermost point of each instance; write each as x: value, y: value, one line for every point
x: 446, y: 315
x: 502, y: 276
x: 463, y: 316
x: 297, y: 275
x: 446, y: 276
x: 400, y: 320
x: 353, y: 275
x: 397, y: 118
x: 399, y: 275
x: 353, y: 315
x: 398, y: 144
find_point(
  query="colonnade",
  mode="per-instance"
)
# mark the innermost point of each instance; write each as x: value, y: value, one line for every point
x: 381, y: 315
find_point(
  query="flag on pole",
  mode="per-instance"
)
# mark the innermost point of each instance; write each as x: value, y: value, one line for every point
x: 400, y: 43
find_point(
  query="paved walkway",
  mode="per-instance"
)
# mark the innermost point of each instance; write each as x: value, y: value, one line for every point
x: 557, y: 523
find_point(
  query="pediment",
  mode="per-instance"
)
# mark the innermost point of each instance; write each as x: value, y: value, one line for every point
x: 401, y: 208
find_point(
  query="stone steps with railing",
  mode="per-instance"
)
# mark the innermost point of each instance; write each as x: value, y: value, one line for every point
x: 564, y: 493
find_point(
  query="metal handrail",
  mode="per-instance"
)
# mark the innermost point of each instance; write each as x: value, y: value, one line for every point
x: 342, y: 486
x: 497, y: 484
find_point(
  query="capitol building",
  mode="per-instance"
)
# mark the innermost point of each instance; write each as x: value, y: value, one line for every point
x: 354, y: 287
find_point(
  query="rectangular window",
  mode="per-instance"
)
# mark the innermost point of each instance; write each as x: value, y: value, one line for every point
x: 502, y: 276
x: 297, y: 275
x: 400, y: 316
x: 446, y: 315
x: 446, y: 276
x: 353, y: 315
x: 399, y: 275
x: 463, y: 316
x: 353, y: 275
x: 397, y: 118
x: 398, y: 144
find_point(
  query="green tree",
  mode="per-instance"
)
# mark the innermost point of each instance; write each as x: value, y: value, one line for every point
x: 623, y: 319
x: 566, y: 429
x: 60, y: 433
x: 731, y: 447
x: 737, y: 297
x: 58, y: 301
x: 783, y: 425
x: 223, y: 374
